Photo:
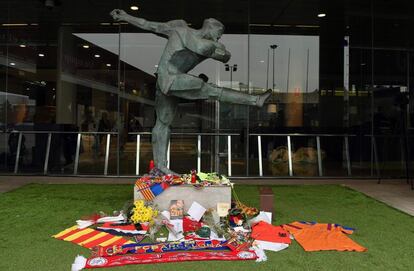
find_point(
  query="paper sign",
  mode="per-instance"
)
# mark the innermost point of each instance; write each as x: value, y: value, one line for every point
x: 223, y: 208
x: 177, y: 225
x: 262, y: 216
x: 196, y: 211
x: 267, y: 216
x: 172, y: 237
x: 176, y: 231
x: 166, y: 214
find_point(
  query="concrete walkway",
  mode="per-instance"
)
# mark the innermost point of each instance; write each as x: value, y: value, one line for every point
x: 398, y: 195
x: 395, y: 193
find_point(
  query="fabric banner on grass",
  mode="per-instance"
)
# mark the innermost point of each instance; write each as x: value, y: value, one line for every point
x: 162, y: 247
x: 119, y: 260
x: 90, y: 238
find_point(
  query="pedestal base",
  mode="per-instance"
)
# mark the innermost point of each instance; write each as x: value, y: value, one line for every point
x: 208, y: 196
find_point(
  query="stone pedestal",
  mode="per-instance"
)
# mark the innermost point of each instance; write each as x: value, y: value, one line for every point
x: 208, y: 196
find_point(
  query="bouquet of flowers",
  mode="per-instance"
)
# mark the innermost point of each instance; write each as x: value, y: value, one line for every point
x: 141, y: 212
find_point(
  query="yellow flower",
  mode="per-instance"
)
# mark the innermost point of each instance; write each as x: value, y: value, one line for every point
x: 142, y: 213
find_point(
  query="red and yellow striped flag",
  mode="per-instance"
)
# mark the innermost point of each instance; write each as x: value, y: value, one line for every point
x: 90, y: 238
x: 145, y: 190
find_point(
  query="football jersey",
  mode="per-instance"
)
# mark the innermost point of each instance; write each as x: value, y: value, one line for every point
x: 269, y: 237
x: 267, y: 232
x: 314, y: 236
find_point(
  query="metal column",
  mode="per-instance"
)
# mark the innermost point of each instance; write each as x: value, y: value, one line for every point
x: 137, y: 155
x: 168, y: 154
x: 259, y: 148
x: 49, y: 140
x: 75, y: 167
x: 290, y: 156
x: 19, y: 145
x: 229, y: 155
x: 198, y: 153
x: 318, y: 148
x: 108, y: 144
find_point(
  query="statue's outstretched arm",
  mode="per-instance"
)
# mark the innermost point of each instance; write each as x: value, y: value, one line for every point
x: 207, y: 48
x: 160, y: 28
x: 221, y: 54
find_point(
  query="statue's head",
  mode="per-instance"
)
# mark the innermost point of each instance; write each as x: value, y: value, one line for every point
x: 212, y: 29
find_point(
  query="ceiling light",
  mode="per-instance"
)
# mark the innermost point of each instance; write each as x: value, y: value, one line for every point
x: 108, y: 64
x: 12, y: 64
x: 13, y: 24
x: 156, y: 66
x: 321, y: 15
x: 97, y: 55
x: 86, y: 46
x: 134, y: 8
x: 307, y: 26
x: 260, y: 24
x: 261, y: 61
x: 22, y: 45
x: 41, y: 55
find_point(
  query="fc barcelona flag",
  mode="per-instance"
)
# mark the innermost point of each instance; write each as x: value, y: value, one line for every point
x: 90, y: 238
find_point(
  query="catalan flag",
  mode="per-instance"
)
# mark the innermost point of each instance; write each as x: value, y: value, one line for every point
x: 145, y: 190
x: 150, y: 191
x: 90, y: 238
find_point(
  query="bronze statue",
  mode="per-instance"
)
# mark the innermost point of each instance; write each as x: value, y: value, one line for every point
x: 186, y: 47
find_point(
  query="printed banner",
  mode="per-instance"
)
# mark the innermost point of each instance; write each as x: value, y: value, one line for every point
x: 119, y: 260
x: 161, y: 247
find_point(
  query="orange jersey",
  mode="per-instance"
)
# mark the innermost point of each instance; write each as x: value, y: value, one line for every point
x: 321, y: 236
x: 267, y: 232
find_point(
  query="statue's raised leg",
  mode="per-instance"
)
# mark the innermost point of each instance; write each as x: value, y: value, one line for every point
x: 238, y: 97
x: 165, y: 108
x: 193, y: 88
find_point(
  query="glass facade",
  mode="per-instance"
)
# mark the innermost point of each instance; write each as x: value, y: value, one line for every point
x: 77, y: 89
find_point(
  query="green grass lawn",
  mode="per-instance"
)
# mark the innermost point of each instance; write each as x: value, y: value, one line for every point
x: 30, y: 215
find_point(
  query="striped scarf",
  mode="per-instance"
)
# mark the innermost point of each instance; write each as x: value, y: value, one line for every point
x: 90, y: 238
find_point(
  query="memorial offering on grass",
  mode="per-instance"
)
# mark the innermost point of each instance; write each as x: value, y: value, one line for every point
x: 144, y: 233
